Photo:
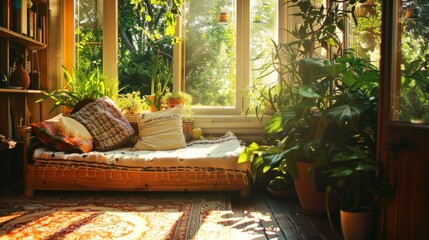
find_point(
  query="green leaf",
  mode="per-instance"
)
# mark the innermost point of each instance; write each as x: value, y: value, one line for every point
x: 274, y: 124
x: 308, y: 92
x: 342, y: 172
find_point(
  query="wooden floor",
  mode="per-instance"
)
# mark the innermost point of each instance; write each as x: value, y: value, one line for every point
x: 273, y: 218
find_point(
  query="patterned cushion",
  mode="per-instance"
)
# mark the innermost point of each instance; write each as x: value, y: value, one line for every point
x: 161, y: 130
x: 47, y: 133
x: 106, y: 123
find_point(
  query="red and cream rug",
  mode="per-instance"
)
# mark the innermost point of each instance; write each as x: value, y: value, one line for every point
x: 115, y: 215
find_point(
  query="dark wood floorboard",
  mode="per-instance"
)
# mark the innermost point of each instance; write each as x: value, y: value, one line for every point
x: 274, y: 218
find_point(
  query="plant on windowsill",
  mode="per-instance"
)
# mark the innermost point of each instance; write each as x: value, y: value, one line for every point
x: 183, y: 100
x: 131, y: 103
x: 177, y: 98
x: 162, y: 74
x: 80, y: 85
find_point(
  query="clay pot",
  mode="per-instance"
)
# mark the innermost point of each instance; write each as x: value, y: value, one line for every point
x: 20, y: 77
x: 356, y: 225
x: 172, y: 102
x: 312, y: 202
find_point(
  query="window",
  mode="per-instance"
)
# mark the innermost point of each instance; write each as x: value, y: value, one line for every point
x: 209, y: 52
x: 216, y: 56
x: 88, y: 24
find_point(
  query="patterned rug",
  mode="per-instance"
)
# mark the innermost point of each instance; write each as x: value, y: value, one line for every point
x: 115, y: 215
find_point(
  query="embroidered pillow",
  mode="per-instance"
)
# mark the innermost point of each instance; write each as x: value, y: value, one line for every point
x: 106, y: 123
x: 161, y: 130
x: 46, y: 132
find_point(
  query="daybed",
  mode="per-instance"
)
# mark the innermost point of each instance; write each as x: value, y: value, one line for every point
x: 203, y: 165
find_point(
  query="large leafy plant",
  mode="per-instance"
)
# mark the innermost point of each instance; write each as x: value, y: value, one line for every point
x: 337, y: 109
x: 80, y: 85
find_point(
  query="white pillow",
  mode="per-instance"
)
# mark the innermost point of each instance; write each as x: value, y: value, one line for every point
x: 161, y: 130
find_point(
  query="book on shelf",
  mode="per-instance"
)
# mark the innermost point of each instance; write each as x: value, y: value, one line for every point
x: 30, y: 23
x: 3, y: 6
x: 19, y: 16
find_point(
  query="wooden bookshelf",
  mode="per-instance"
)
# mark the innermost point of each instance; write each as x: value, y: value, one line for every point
x: 16, y: 41
x: 20, y: 39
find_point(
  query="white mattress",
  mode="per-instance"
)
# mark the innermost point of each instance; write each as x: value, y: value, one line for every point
x: 203, y: 155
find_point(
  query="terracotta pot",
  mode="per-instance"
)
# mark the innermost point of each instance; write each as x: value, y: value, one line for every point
x: 356, y: 225
x: 312, y: 201
x: 172, y: 102
x: 151, y: 107
x: 20, y: 77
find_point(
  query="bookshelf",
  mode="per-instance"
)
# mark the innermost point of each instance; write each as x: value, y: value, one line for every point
x: 23, y: 32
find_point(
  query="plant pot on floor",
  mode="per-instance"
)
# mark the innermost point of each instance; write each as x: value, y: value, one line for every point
x: 311, y: 201
x: 356, y: 225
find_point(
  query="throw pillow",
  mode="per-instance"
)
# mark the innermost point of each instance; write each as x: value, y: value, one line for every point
x: 106, y: 123
x: 68, y: 127
x: 161, y: 130
x: 72, y: 128
x: 46, y: 132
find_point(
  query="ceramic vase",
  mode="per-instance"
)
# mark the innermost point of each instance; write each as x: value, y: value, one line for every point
x: 20, y: 77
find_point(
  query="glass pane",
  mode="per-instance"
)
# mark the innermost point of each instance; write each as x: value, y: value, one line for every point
x: 88, y: 34
x: 263, y: 35
x: 411, y: 86
x: 365, y: 37
x: 137, y: 52
x: 210, y: 51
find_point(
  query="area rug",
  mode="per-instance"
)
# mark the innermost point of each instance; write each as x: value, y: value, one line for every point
x: 115, y: 215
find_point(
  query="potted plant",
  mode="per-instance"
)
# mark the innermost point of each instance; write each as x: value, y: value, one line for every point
x: 162, y: 74
x: 184, y: 100
x: 318, y: 103
x: 280, y: 186
x: 80, y: 85
x: 177, y: 98
x: 131, y: 103
x: 357, y: 181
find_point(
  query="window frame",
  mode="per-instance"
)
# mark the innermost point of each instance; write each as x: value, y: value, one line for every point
x: 243, y: 71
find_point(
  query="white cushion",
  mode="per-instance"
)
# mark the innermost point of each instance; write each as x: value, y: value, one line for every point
x: 161, y: 130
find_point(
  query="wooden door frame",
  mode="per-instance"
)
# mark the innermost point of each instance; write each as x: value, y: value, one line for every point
x: 386, y: 65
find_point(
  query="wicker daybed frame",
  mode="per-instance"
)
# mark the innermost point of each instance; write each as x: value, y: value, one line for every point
x: 52, y: 178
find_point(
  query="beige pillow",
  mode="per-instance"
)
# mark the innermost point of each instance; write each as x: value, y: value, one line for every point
x: 68, y: 127
x: 161, y: 130
x: 72, y: 128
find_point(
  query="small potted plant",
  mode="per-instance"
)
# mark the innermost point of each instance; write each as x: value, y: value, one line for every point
x: 177, y: 98
x: 280, y: 186
x: 358, y: 181
x: 184, y: 100
x: 162, y: 74
x: 131, y: 103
